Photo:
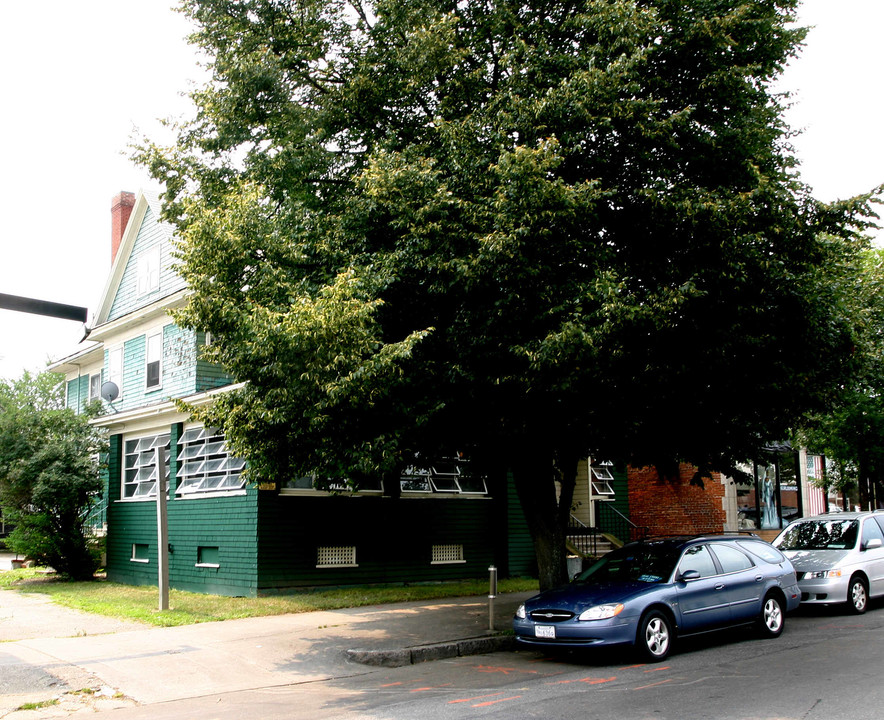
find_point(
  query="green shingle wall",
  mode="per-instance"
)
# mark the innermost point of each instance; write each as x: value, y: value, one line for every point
x: 521, y: 558
x: 268, y: 542
x: 227, y: 522
x: 621, y: 492
x: 393, y: 538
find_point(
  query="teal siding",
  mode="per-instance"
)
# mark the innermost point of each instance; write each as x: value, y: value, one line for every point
x: 151, y: 233
x: 393, y: 539
x: 78, y: 393
x: 208, y: 375
x: 182, y: 374
x: 179, y: 362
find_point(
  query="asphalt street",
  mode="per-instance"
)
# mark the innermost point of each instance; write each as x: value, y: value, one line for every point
x: 825, y: 666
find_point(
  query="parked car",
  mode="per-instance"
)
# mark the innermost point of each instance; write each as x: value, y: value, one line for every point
x: 648, y: 593
x: 839, y: 557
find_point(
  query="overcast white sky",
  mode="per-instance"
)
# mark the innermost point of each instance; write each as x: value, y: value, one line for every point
x: 77, y: 77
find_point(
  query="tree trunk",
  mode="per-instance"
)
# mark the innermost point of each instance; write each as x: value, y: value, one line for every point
x: 546, y: 515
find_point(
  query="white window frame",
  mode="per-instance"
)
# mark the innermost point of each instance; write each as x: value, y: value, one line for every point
x: 206, y: 466
x: 306, y: 485
x: 134, y: 557
x: 116, y: 368
x: 600, y: 478
x: 153, y: 341
x: 148, y: 275
x: 95, y: 387
x: 443, y: 477
x: 336, y: 556
x: 201, y: 563
x: 139, y: 465
x: 447, y: 554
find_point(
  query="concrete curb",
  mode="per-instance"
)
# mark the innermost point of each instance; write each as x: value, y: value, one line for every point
x: 436, y: 651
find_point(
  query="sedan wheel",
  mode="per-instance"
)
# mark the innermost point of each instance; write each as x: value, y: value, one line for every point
x: 857, y: 597
x: 772, y: 618
x: 654, y: 637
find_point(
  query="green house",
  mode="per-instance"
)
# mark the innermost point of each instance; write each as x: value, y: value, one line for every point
x: 227, y: 536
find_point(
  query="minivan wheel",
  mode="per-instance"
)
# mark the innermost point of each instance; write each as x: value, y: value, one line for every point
x: 654, y: 639
x: 857, y: 596
x: 772, y: 618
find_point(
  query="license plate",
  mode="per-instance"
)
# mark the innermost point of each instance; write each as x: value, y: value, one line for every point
x: 544, y: 631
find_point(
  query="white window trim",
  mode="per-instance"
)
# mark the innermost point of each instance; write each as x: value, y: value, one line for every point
x: 444, y: 549
x: 97, y: 395
x: 147, y: 277
x: 151, y: 497
x: 349, y: 563
x: 147, y: 360
x: 192, y: 493
x: 208, y: 564
x: 134, y: 559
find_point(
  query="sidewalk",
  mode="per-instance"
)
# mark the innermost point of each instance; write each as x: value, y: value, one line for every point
x: 51, y: 650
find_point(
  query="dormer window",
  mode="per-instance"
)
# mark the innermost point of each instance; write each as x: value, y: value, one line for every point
x: 149, y: 271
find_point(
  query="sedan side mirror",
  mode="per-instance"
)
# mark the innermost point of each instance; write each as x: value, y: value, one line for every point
x: 689, y: 575
x: 872, y: 544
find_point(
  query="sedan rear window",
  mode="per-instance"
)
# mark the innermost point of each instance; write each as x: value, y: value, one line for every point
x: 819, y: 535
x: 766, y: 552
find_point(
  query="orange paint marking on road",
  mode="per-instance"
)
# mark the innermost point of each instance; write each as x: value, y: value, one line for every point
x: 504, y: 670
x: 665, y: 667
x: 478, y: 697
x: 633, y: 667
x: 494, y: 702
x: 391, y: 684
x: 587, y: 680
x: 645, y: 687
x: 597, y: 681
x: 430, y: 687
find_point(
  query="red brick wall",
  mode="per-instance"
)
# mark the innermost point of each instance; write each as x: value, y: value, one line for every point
x: 671, y: 505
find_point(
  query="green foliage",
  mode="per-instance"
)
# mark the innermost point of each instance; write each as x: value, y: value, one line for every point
x: 546, y: 227
x: 851, y: 431
x: 48, y: 474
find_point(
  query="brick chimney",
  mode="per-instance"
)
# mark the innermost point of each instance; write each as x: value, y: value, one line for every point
x: 121, y: 209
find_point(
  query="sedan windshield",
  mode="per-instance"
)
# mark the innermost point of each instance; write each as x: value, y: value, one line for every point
x: 820, y: 535
x: 632, y: 564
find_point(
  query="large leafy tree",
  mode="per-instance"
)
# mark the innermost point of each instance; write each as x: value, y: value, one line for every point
x: 530, y: 229
x: 851, y: 431
x: 49, y: 475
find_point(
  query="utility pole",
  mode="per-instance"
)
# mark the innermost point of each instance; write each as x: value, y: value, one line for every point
x: 162, y: 531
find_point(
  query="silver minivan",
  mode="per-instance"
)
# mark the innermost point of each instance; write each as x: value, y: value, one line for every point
x: 839, y: 557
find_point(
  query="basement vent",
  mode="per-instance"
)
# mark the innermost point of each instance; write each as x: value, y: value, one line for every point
x: 447, y: 554
x: 333, y: 557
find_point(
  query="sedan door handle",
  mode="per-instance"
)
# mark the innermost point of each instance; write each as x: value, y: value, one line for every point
x: 759, y: 578
x: 719, y: 587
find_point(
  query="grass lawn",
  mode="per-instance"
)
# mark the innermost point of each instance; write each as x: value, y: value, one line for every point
x: 140, y: 602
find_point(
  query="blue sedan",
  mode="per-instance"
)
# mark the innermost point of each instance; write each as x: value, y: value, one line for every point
x: 646, y: 594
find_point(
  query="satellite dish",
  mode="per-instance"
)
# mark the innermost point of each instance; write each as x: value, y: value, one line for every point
x: 109, y: 391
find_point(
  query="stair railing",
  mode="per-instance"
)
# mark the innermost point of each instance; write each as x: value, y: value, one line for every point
x: 582, y: 537
x: 613, y: 522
